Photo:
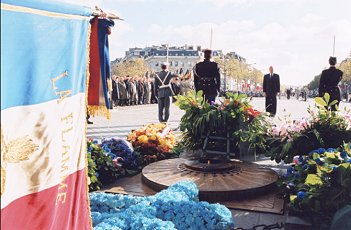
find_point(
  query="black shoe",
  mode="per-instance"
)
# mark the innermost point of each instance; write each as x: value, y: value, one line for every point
x: 90, y: 122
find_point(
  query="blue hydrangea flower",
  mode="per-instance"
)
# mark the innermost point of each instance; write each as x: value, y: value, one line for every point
x: 330, y: 150
x: 291, y: 185
x: 301, y: 195
x: 297, y: 175
x: 321, y: 150
x: 305, y: 166
x: 174, y: 208
x: 343, y: 154
x: 319, y: 161
x: 290, y: 170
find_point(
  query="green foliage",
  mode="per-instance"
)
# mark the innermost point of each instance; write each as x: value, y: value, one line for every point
x: 234, y: 115
x: 314, y: 84
x: 110, y: 160
x: 319, y: 184
x: 323, y: 129
x: 101, y: 169
x: 345, y: 66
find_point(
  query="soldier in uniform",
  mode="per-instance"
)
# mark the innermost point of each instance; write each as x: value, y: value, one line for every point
x: 330, y: 79
x: 163, y: 90
x: 207, y: 77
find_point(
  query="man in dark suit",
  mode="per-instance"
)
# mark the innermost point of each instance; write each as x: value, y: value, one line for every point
x: 271, y: 87
x: 163, y: 90
x: 207, y: 77
x: 330, y: 79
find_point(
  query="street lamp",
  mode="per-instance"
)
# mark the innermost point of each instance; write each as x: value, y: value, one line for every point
x: 225, y: 73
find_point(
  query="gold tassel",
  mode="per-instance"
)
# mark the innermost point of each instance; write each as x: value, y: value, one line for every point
x: 86, y: 127
x: 99, y: 110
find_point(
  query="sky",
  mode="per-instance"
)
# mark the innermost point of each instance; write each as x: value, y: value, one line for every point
x: 294, y: 36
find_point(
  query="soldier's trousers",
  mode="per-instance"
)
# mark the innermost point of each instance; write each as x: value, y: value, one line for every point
x: 271, y: 105
x: 163, y: 108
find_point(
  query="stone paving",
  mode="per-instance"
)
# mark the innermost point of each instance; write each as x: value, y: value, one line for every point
x: 125, y: 119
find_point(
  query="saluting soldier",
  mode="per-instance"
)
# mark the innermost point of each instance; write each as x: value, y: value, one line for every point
x: 330, y: 79
x: 163, y: 90
x: 207, y: 77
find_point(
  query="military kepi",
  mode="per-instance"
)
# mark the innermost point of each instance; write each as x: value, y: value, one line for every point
x: 207, y: 51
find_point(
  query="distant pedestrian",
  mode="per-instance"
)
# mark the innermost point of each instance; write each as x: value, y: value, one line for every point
x: 207, y: 77
x: 271, y: 87
x: 330, y: 79
x: 164, y: 91
x: 288, y: 93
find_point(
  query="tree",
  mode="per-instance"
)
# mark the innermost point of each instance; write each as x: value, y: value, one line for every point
x: 132, y: 68
x: 235, y: 69
x: 314, y: 84
x: 345, y: 66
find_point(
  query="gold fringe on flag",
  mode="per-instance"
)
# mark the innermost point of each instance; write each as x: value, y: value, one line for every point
x: 85, y: 150
x: 99, y: 110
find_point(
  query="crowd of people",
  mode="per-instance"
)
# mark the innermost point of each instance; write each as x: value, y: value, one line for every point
x: 304, y: 93
x: 140, y: 90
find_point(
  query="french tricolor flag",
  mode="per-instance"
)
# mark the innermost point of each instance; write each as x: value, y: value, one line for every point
x: 44, y: 57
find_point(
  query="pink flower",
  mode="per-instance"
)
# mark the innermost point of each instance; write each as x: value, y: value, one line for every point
x: 115, y: 161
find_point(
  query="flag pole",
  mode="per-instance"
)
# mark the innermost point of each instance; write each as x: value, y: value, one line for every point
x: 334, y: 47
x: 211, y: 39
x: 167, y: 52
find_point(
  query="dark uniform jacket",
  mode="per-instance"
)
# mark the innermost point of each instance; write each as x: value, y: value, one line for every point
x: 163, y: 86
x: 207, y: 77
x: 271, y: 85
x: 330, y: 79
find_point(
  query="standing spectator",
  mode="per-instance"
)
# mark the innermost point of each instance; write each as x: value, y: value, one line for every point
x: 115, y: 92
x: 146, y: 95
x: 271, y: 87
x: 330, y: 79
x: 175, y: 87
x: 186, y: 85
x: 133, y: 92
x: 153, y: 91
x: 128, y: 87
x: 123, y: 92
x: 140, y: 89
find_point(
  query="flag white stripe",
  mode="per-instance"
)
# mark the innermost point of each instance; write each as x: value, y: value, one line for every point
x: 50, y: 127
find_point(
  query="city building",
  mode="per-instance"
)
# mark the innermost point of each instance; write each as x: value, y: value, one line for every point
x: 180, y: 58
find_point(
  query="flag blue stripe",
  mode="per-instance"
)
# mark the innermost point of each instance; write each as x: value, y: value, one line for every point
x: 35, y: 49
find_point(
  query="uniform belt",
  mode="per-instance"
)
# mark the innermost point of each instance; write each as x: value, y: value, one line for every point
x: 165, y: 86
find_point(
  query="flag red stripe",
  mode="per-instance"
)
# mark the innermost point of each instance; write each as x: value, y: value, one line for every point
x: 43, y: 212
x: 94, y: 67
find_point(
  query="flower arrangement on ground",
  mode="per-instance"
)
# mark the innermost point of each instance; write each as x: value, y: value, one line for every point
x: 324, y: 128
x: 234, y: 115
x: 174, y: 208
x: 319, y: 184
x: 110, y: 159
x: 154, y: 142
